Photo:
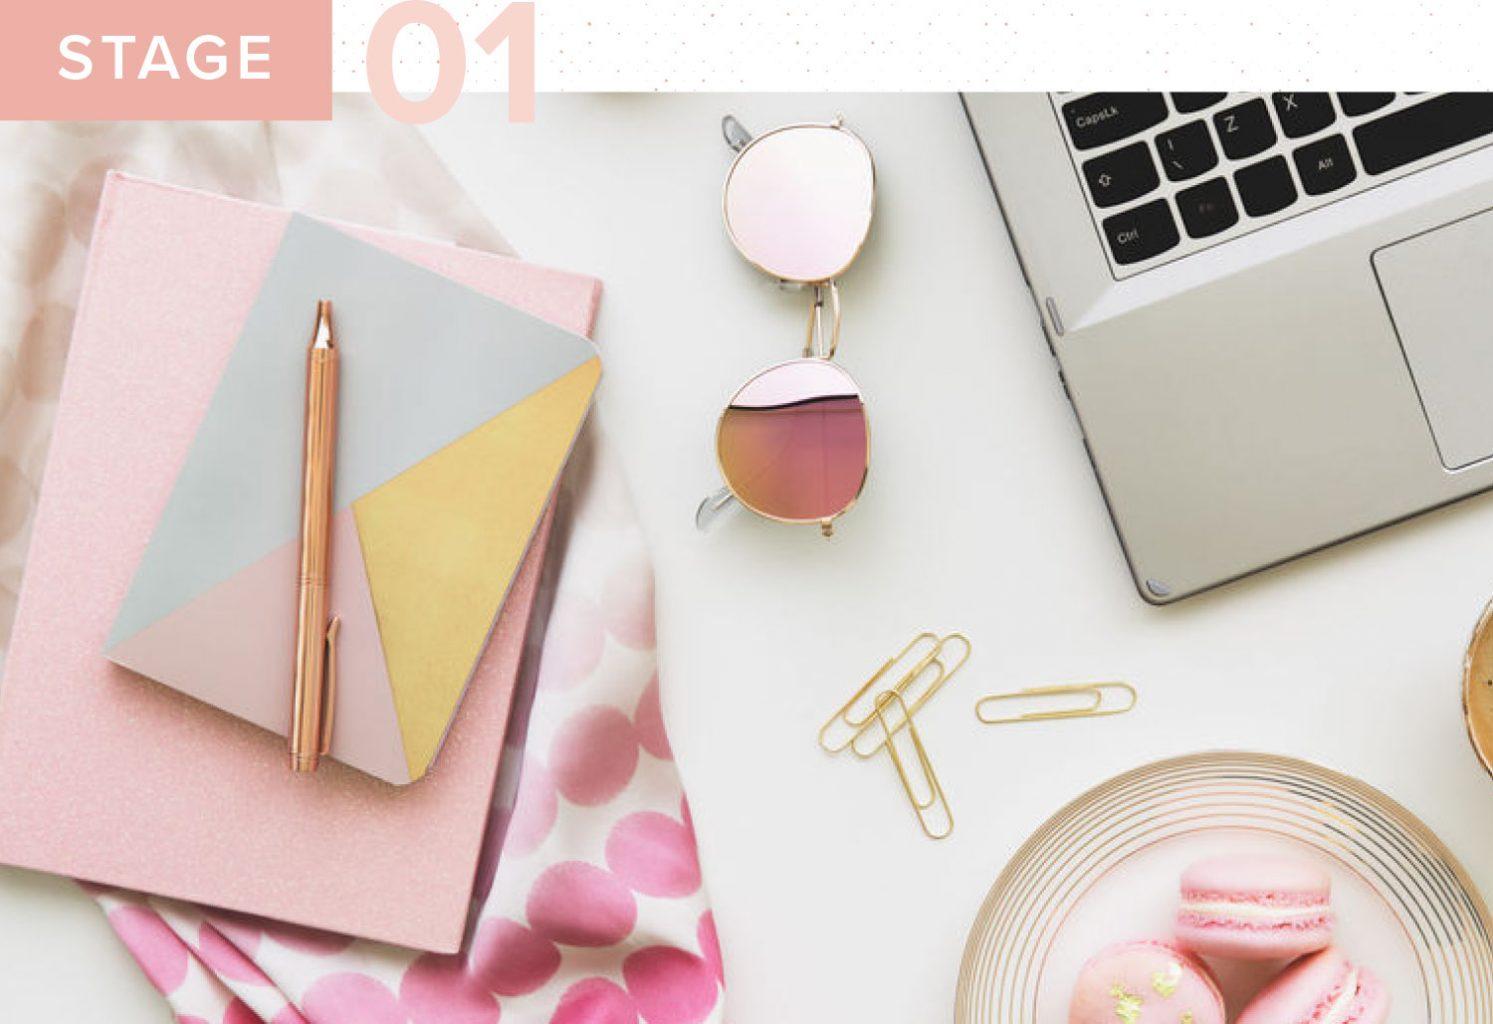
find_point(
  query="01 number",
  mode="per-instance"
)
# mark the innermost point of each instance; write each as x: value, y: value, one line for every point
x: 515, y: 25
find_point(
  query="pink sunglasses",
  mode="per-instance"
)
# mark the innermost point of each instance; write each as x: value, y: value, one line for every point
x: 794, y: 443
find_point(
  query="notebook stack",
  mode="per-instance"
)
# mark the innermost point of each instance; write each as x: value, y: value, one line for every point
x: 148, y: 686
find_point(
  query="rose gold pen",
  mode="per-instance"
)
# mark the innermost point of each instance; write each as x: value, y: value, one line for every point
x: 316, y: 637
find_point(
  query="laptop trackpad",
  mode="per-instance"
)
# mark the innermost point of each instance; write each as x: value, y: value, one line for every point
x: 1439, y: 286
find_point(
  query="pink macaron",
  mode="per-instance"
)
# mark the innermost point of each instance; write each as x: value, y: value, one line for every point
x: 1253, y: 907
x: 1324, y: 988
x: 1147, y: 981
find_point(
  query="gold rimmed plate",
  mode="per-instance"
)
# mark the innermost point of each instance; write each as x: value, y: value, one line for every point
x: 1105, y: 868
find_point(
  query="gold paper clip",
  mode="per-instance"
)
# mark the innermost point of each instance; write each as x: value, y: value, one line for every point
x: 845, y: 719
x: 1095, y: 708
x: 933, y: 812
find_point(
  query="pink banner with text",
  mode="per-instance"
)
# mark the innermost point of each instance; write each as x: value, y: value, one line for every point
x: 167, y: 60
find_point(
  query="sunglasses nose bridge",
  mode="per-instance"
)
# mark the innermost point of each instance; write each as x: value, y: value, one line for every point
x: 817, y: 344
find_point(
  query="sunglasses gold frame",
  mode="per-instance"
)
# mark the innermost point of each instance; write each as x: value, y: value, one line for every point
x: 816, y: 346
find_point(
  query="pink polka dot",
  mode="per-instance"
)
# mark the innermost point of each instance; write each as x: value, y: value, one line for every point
x: 512, y: 960
x: 648, y: 719
x: 351, y: 998
x: 654, y: 854
x: 595, y: 1001
x: 573, y: 643
x: 669, y: 985
x: 225, y: 959
x: 687, y: 818
x: 289, y: 1015
x: 187, y: 1018
x: 710, y: 945
x: 578, y: 904
x: 162, y: 955
x: 534, y: 810
x: 238, y: 1012
x: 440, y: 990
x: 627, y: 602
x: 593, y: 755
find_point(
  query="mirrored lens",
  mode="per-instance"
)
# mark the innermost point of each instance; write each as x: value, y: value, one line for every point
x: 798, y: 201
x: 793, y: 443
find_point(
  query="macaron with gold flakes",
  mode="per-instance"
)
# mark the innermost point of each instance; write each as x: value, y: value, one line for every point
x: 1146, y: 981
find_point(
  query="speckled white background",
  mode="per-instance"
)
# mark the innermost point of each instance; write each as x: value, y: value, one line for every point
x: 685, y: 45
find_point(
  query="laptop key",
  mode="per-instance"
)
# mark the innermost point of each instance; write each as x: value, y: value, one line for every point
x: 1141, y: 232
x: 1302, y: 113
x: 1356, y: 104
x: 1426, y: 128
x: 1192, y: 102
x: 1187, y: 151
x: 1244, y: 130
x: 1325, y: 165
x: 1104, y: 117
x: 1208, y: 208
x: 1121, y: 175
x: 1265, y: 187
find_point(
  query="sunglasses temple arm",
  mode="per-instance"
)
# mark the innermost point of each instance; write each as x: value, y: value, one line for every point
x: 712, y: 507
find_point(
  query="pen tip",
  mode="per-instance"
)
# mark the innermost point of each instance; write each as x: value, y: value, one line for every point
x: 323, y: 336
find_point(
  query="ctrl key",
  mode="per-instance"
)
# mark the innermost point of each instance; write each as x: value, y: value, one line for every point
x: 1140, y: 233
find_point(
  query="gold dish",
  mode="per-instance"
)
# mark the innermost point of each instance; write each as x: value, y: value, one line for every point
x: 1423, y: 901
x: 1477, y: 689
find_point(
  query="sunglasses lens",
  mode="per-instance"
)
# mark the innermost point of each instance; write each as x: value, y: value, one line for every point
x: 798, y: 202
x: 793, y: 442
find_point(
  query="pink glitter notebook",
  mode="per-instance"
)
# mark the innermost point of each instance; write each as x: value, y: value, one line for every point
x: 115, y: 780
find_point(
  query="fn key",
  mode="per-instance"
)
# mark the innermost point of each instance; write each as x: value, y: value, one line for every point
x: 1141, y: 233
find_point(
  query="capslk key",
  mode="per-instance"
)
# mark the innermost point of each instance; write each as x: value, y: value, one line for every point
x: 1142, y: 232
x: 1104, y: 117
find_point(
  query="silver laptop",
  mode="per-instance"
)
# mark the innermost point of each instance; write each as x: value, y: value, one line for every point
x: 1272, y: 312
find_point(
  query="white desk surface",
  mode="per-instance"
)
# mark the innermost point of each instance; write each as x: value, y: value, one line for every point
x: 981, y: 515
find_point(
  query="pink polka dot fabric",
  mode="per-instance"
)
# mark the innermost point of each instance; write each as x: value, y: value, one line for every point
x: 589, y: 906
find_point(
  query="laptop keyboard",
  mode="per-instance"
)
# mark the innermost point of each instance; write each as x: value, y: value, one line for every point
x: 1167, y: 175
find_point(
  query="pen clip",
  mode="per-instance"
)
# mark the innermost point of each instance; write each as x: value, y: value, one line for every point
x: 329, y: 685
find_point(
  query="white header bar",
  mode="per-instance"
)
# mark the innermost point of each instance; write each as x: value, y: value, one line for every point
x: 702, y: 45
